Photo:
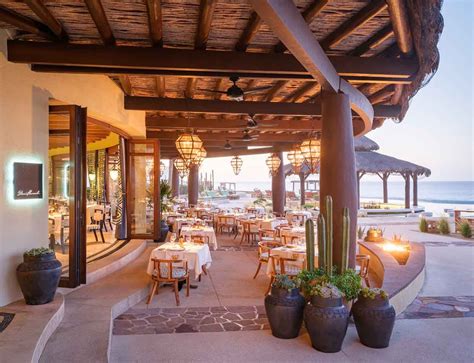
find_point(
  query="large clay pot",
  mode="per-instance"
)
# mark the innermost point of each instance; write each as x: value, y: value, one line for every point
x: 374, y: 320
x: 326, y: 321
x: 164, y: 229
x: 38, y: 277
x: 285, y: 312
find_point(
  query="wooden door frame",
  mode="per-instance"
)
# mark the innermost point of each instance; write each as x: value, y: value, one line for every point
x: 156, y: 187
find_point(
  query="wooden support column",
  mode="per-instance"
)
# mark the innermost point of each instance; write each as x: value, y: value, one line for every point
x: 302, y: 188
x: 407, y: 190
x: 415, y: 190
x: 193, y: 185
x: 359, y: 177
x: 174, y: 179
x: 385, y: 187
x: 337, y: 148
x: 278, y: 189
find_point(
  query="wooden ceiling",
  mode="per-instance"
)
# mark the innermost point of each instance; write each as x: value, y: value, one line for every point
x: 59, y: 130
x: 166, y: 54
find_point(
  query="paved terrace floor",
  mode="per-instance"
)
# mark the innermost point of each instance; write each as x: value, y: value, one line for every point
x: 224, y: 321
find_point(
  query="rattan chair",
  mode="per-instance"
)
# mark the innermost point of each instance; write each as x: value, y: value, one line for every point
x: 264, y: 251
x: 167, y: 272
x: 362, y: 266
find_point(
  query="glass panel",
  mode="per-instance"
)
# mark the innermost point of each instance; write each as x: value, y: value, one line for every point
x: 142, y: 179
x: 142, y: 148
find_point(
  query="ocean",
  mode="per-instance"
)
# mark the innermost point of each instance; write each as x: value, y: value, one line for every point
x: 435, y: 196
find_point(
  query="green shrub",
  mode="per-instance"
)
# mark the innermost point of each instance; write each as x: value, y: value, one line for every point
x: 465, y: 229
x: 284, y: 282
x: 349, y: 283
x: 39, y: 251
x: 423, y: 225
x: 443, y: 226
x: 371, y: 293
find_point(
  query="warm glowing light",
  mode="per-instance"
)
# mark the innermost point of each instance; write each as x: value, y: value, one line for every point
x: 188, y: 146
x: 201, y: 155
x: 114, y: 174
x: 182, y: 167
x: 311, y: 150
x: 394, y: 247
x: 236, y: 164
x: 91, y: 177
x: 296, y: 158
x: 273, y: 162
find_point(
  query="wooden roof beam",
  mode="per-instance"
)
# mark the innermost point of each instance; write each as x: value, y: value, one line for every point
x: 126, y: 85
x: 177, y: 123
x: 401, y: 25
x: 287, y: 23
x: 382, y: 94
x: 249, y: 32
x: 46, y: 17
x: 224, y: 136
x: 363, y: 16
x: 155, y: 22
x: 100, y: 19
x: 373, y: 42
x: 160, y: 86
x: 26, y: 24
x: 242, y: 108
x: 299, y: 92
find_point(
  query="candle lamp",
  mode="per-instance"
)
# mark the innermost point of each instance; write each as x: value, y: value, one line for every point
x: 398, y: 248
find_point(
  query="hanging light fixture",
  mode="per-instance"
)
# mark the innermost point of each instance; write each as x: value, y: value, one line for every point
x: 188, y: 146
x: 273, y: 162
x: 236, y: 163
x: 311, y: 150
x: 200, y: 157
x: 181, y: 166
x: 296, y: 158
x: 162, y: 168
x: 113, y: 173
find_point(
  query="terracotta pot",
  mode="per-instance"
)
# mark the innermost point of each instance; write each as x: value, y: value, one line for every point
x: 38, y: 277
x: 285, y: 312
x: 326, y: 321
x: 374, y: 320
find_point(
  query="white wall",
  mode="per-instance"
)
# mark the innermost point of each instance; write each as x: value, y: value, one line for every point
x: 24, y: 97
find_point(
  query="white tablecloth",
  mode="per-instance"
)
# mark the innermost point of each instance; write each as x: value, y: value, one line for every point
x: 197, y: 255
x: 291, y: 214
x: 201, y: 231
x: 271, y: 223
x: 179, y: 221
x: 298, y: 253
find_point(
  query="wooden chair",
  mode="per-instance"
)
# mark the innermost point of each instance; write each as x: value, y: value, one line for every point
x: 226, y: 223
x: 362, y: 265
x: 250, y: 231
x: 98, y: 218
x: 168, y: 273
x: 267, y: 235
x: 283, y: 266
x: 264, y: 250
x: 200, y: 239
x: 208, y: 219
x: 298, y: 219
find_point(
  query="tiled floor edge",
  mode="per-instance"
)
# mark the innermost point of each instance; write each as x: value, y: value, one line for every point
x: 49, y: 329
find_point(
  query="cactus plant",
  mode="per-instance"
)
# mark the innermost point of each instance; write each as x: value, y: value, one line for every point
x: 321, y: 241
x: 346, y: 219
x: 309, y: 229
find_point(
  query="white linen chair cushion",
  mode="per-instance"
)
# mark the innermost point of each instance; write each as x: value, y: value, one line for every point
x: 178, y: 272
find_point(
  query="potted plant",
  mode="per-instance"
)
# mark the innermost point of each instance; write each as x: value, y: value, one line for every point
x: 38, y: 275
x: 374, y: 317
x: 326, y: 318
x: 166, y: 202
x: 284, y: 308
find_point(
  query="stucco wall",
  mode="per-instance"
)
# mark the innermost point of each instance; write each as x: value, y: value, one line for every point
x: 24, y: 97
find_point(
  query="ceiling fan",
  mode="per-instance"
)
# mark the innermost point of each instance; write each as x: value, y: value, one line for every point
x: 246, y: 137
x: 253, y: 124
x: 227, y: 145
x: 236, y: 93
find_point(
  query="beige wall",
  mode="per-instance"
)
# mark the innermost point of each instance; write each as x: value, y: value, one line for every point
x: 24, y: 97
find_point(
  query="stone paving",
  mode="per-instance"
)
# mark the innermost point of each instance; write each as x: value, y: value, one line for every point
x: 5, y: 320
x: 236, y: 248
x: 431, y: 307
x: 191, y: 320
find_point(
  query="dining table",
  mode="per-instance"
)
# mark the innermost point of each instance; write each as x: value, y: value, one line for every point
x: 203, y: 231
x: 196, y: 254
x: 296, y: 252
x: 292, y: 215
x: 179, y: 222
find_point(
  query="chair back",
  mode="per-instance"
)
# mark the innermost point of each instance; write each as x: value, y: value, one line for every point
x: 363, y: 261
x: 266, y: 247
x: 164, y: 268
x: 65, y: 221
x: 283, y: 262
x: 98, y: 216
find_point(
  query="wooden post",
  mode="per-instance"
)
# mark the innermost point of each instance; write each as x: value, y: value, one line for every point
x: 193, y: 185
x: 174, y: 179
x: 415, y: 189
x: 385, y: 186
x: 407, y: 190
x: 278, y: 189
x: 337, y: 149
x: 359, y: 177
x: 302, y: 189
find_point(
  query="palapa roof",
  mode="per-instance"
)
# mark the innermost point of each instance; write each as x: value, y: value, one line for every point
x: 358, y: 28
x: 370, y: 162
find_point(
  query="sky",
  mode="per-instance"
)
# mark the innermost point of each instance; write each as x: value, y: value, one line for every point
x: 437, y: 131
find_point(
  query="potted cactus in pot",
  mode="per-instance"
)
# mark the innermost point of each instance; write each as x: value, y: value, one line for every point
x: 374, y: 317
x: 284, y: 308
x: 38, y: 275
x: 326, y: 318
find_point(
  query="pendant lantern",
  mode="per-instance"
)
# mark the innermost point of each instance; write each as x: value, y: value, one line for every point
x: 296, y: 158
x: 188, y: 146
x: 236, y: 163
x: 273, y: 162
x: 200, y: 157
x: 181, y: 166
x: 311, y: 150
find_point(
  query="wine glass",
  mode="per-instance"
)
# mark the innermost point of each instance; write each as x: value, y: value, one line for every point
x: 173, y: 237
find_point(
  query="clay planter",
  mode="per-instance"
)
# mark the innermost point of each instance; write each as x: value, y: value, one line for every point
x: 374, y: 320
x: 326, y: 321
x: 164, y: 229
x: 285, y: 312
x: 38, y: 277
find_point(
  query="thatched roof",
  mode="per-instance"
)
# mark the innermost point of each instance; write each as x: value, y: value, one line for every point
x: 365, y: 144
x: 370, y: 162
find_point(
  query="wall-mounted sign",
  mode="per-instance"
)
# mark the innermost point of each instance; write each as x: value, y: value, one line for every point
x: 27, y: 181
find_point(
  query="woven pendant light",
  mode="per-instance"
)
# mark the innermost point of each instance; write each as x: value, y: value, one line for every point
x: 296, y: 158
x: 188, y: 146
x: 311, y: 150
x: 273, y: 162
x: 181, y: 166
x: 201, y: 155
x: 236, y: 164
